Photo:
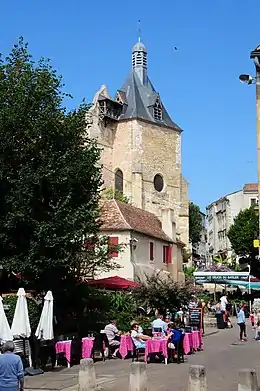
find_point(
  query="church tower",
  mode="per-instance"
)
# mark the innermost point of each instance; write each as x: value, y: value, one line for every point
x: 142, y: 148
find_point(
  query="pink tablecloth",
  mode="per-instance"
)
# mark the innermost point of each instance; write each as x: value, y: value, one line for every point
x: 156, y: 346
x: 87, y: 346
x: 126, y: 345
x: 64, y: 347
x: 195, y: 340
x: 192, y: 341
x: 187, y: 343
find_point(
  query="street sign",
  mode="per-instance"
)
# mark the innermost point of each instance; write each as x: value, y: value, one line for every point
x: 256, y: 243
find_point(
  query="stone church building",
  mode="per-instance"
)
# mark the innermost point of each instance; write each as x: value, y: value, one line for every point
x: 142, y: 152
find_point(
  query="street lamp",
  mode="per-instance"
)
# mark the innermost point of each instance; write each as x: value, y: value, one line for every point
x: 255, y: 56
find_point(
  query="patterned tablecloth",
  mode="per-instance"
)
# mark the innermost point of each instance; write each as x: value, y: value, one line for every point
x: 64, y: 347
x: 156, y: 346
x: 192, y: 341
x: 87, y: 346
x: 126, y: 345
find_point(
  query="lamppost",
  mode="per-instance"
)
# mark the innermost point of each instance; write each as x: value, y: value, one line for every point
x: 255, y: 56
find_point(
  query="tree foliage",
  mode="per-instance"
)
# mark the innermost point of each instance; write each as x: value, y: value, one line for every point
x: 195, y: 223
x: 111, y: 194
x: 162, y: 293
x: 49, y: 178
x: 243, y: 232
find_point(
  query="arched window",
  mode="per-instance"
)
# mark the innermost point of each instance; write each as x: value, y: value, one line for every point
x: 157, y: 110
x: 119, y: 180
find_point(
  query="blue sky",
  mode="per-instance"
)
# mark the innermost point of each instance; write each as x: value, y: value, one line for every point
x: 90, y: 43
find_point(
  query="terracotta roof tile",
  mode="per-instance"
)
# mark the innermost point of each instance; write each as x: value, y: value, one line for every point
x: 117, y: 215
x: 251, y: 187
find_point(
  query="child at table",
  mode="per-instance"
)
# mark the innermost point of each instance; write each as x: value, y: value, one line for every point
x: 138, y: 338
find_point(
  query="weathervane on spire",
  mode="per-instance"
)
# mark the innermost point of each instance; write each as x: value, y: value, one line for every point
x: 139, y: 30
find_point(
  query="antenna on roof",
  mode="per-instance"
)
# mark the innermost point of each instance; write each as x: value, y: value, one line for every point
x: 139, y: 30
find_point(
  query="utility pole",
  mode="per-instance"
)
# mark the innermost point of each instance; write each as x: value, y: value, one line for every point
x: 255, y: 56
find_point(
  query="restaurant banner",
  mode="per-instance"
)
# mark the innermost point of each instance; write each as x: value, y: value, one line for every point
x: 220, y: 277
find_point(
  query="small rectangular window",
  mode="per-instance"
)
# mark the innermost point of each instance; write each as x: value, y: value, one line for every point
x: 253, y: 202
x: 112, y: 243
x: 151, y: 251
x: 165, y: 254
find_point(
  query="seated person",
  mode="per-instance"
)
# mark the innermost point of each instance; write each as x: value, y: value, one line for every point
x: 140, y: 330
x: 138, y: 338
x: 170, y: 334
x: 174, y: 335
x: 167, y: 319
x: 113, y: 336
x: 159, y: 324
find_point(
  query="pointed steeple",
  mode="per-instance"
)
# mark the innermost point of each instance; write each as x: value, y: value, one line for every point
x: 139, y: 61
x: 138, y: 96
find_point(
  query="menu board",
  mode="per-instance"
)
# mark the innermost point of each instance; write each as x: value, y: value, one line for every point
x: 196, y: 317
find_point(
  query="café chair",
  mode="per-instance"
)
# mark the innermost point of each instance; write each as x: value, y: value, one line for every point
x: 178, y: 351
x: 157, y: 330
x: 100, y: 344
x: 76, y: 350
x: 137, y: 353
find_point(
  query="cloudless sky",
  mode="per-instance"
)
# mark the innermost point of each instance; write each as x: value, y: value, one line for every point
x: 89, y: 43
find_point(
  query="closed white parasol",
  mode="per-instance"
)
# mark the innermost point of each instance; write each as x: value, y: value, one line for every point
x: 45, y: 326
x: 5, y: 331
x: 21, y: 324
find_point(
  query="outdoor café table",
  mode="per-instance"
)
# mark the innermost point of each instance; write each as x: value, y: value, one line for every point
x: 156, y: 346
x: 64, y: 347
x: 196, y: 340
x: 87, y: 346
x: 126, y: 345
x: 187, y: 343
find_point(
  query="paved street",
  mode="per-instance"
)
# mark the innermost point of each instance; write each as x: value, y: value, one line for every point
x: 223, y: 356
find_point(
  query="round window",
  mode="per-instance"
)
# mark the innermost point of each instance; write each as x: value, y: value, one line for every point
x: 158, y: 182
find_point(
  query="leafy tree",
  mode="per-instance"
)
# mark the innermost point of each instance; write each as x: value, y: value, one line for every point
x: 49, y: 179
x: 243, y: 232
x: 111, y: 194
x: 195, y: 223
x: 186, y: 254
x: 188, y: 271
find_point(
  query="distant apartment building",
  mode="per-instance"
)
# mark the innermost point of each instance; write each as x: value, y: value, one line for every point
x: 220, y: 216
x: 199, y: 251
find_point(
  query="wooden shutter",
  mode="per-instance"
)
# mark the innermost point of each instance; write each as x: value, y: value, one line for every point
x: 112, y: 243
x: 169, y: 254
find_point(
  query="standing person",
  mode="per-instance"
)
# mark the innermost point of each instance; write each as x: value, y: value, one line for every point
x: 11, y: 369
x: 223, y: 302
x: 257, y: 321
x: 252, y: 319
x: 241, y: 321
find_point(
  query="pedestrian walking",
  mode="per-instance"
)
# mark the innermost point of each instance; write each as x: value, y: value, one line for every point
x: 11, y: 369
x: 241, y: 321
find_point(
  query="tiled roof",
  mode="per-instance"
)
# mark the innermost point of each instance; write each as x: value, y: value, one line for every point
x: 119, y: 216
x: 251, y: 187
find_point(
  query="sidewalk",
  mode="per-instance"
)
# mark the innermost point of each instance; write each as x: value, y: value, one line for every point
x: 108, y: 373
